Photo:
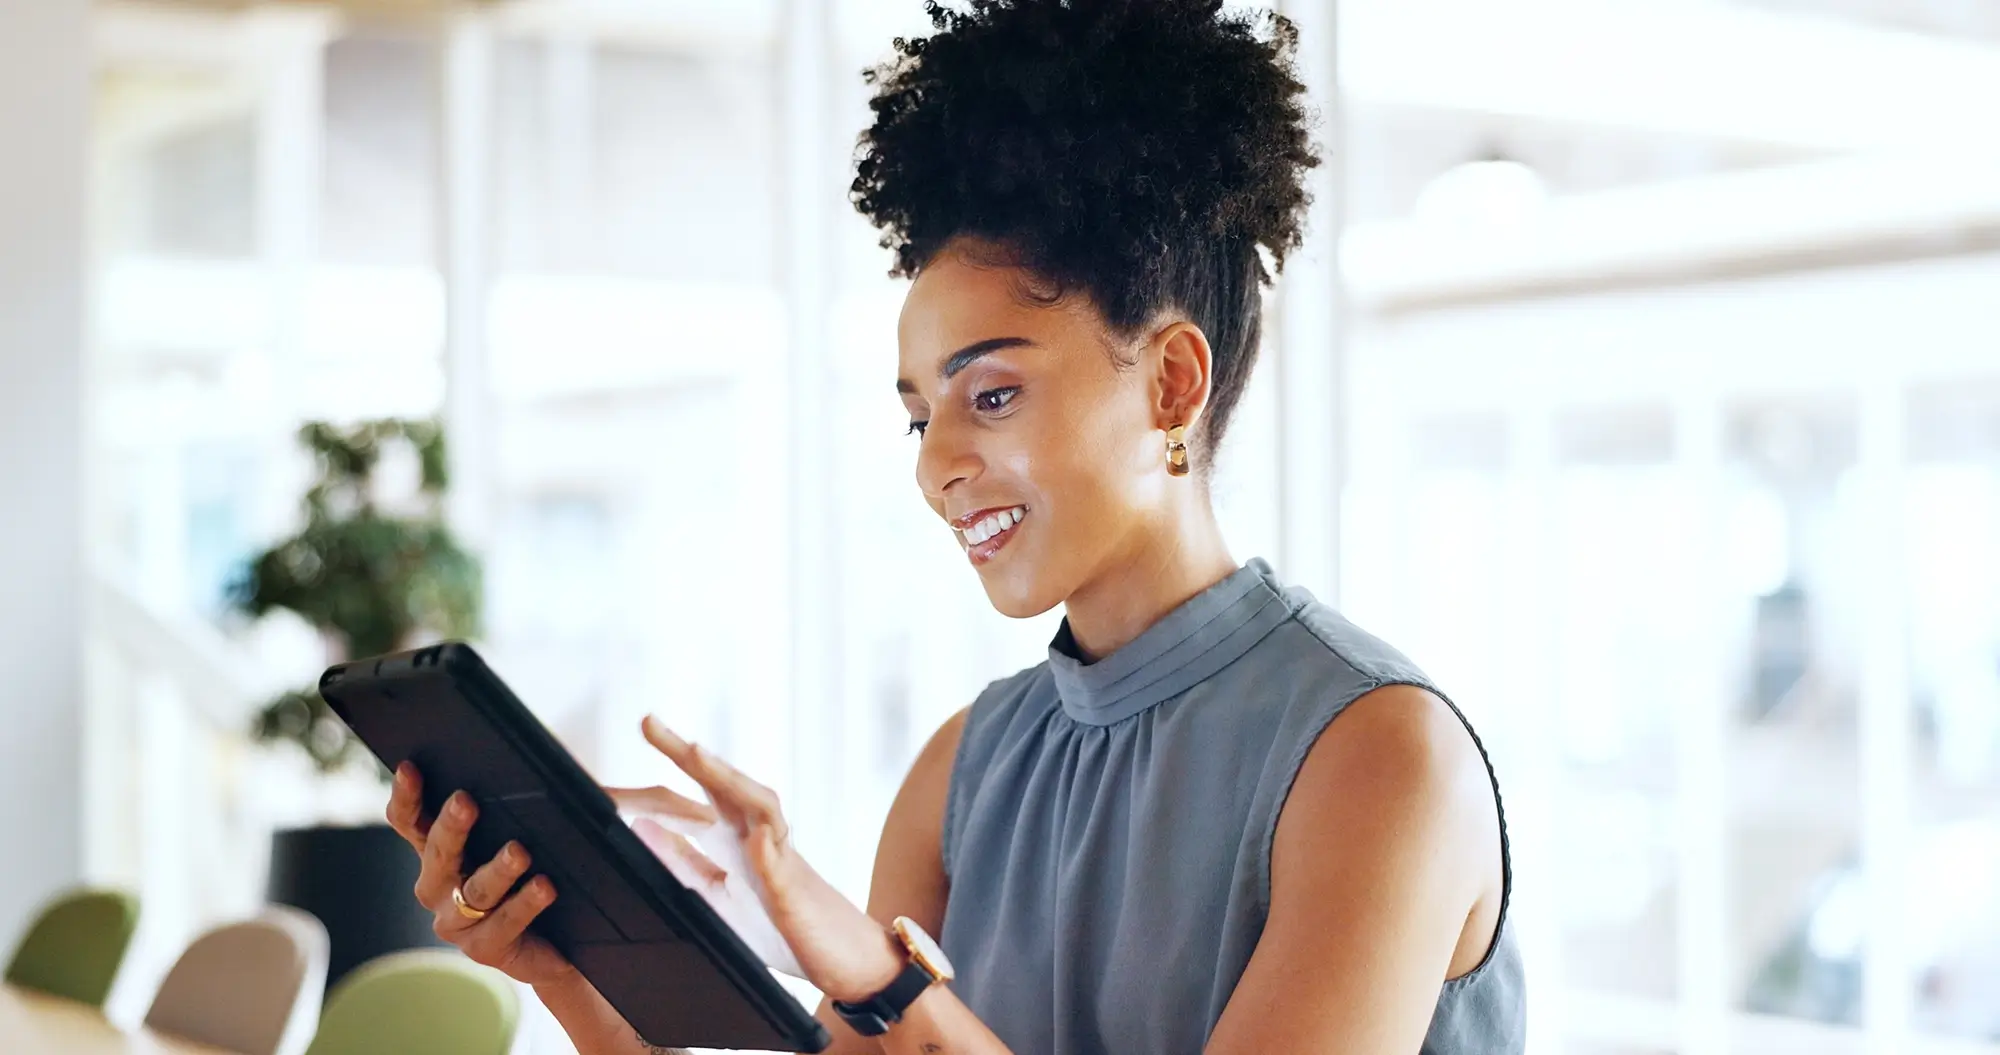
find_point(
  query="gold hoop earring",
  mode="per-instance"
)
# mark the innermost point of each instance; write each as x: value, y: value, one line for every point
x: 1177, y: 452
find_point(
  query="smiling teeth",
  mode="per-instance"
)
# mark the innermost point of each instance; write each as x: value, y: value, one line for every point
x: 995, y: 524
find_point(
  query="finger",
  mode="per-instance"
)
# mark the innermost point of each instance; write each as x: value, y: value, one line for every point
x: 695, y: 763
x: 681, y: 856
x: 668, y: 743
x: 757, y: 803
x: 771, y: 856
x: 762, y: 848
x: 782, y: 879
x: 662, y: 802
x: 406, y: 806
x: 444, y: 850
x: 486, y: 888
x: 490, y: 939
x: 745, y: 802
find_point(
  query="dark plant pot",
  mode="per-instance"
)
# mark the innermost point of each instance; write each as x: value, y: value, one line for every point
x: 358, y: 881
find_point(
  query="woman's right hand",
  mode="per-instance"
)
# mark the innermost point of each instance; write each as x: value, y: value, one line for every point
x: 500, y: 937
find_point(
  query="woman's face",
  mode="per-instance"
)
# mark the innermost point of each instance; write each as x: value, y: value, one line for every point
x: 1043, y: 455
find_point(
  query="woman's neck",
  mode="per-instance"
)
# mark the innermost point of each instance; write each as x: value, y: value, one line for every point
x: 1155, y: 577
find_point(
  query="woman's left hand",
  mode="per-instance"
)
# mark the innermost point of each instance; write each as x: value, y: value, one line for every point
x: 748, y: 870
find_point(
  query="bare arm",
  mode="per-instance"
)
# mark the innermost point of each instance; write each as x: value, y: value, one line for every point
x: 1385, y: 880
x: 909, y: 878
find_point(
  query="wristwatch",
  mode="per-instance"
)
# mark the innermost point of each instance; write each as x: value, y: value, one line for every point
x: 927, y: 967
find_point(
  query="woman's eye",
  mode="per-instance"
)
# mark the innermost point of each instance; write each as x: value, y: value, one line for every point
x: 995, y: 398
x: 916, y: 428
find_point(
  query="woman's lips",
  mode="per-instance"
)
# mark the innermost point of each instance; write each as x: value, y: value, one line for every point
x: 984, y: 533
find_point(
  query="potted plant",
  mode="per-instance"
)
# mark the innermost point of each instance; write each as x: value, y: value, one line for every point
x: 374, y: 569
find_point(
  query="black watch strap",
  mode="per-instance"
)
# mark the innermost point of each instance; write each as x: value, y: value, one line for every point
x: 873, y: 1017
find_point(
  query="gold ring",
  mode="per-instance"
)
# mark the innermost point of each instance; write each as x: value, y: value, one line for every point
x: 465, y: 909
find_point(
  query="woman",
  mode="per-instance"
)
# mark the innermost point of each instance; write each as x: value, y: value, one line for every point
x: 1161, y: 839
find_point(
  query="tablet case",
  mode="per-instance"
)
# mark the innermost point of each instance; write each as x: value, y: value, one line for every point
x: 655, y: 949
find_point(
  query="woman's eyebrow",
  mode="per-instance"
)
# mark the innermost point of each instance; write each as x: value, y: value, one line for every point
x: 966, y: 356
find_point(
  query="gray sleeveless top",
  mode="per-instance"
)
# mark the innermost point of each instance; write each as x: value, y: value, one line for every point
x: 1108, y: 829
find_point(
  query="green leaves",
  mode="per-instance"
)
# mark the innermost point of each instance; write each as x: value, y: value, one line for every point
x: 303, y: 718
x: 371, y: 579
x: 349, y: 458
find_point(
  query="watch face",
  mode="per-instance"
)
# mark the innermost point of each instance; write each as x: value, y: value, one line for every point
x: 923, y: 949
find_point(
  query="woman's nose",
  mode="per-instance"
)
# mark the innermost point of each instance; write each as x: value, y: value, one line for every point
x: 944, y: 457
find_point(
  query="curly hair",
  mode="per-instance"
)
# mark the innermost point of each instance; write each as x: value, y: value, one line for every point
x: 1137, y: 151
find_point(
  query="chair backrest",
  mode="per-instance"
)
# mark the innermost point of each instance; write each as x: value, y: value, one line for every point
x: 76, y: 945
x: 424, y: 1000
x: 241, y: 986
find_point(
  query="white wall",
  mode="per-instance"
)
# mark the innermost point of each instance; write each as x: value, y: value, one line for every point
x: 44, y: 76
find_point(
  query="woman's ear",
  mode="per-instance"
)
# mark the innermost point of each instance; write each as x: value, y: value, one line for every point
x: 1183, y: 374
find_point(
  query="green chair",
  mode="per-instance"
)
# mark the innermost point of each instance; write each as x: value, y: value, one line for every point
x: 75, y: 946
x: 424, y: 1001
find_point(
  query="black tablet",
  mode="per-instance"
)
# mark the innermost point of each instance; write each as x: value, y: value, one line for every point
x: 654, y: 948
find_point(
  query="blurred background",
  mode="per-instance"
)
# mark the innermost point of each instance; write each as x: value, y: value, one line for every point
x: 1641, y: 380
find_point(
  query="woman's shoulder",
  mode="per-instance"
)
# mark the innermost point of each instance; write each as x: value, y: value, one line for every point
x: 1320, y: 642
